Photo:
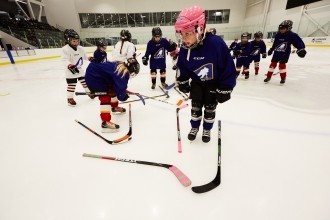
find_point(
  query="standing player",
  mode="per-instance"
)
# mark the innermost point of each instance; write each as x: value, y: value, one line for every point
x: 72, y: 56
x: 282, y: 49
x: 100, y: 55
x: 156, y: 49
x: 106, y: 77
x: 258, y: 47
x: 242, y: 52
x: 205, y: 59
x: 233, y: 44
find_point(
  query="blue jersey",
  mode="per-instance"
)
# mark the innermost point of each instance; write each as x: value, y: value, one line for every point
x: 233, y: 45
x: 100, y: 76
x: 208, y: 63
x: 282, y: 45
x: 157, y: 51
x: 100, y: 56
x: 257, y: 48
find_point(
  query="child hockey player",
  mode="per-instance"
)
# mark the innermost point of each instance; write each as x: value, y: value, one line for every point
x: 258, y: 47
x: 242, y: 52
x: 100, y: 55
x: 156, y: 49
x: 123, y: 50
x: 106, y: 78
x: 282, y: 49
x: 72, y: 56
x: 205, y: 59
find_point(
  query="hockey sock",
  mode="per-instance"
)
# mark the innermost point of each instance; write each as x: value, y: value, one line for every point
x: 282, y: 67
x: 83, y: 83
x: 271, y: 69
x: 71, y: 87
x: 256, y: 67
x: 105, y: 107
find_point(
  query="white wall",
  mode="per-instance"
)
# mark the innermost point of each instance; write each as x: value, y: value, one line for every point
x: 277, y: 14
x: 65, y: 14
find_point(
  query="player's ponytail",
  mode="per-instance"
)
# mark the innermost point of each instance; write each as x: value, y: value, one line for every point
x: 122, y: 69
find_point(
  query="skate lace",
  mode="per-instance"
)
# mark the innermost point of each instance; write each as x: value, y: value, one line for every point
x: 206, y: 133
x: 194, y: 131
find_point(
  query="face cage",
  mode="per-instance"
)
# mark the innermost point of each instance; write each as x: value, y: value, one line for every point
x: 200, y: 37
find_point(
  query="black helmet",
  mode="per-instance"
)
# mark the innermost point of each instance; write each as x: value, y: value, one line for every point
x: 125, y: 35
x: 258, y: 34
x: 100, y: 44
x: 156, y: 31
x: 245, y: 34
x: 213, y: 30
x: 70, y: 34
x: 286, y: 24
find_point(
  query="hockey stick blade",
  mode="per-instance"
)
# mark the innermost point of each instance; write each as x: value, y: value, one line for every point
x: 183, y: 179
x: 127, y: 136
x: 170, y: 86
x: 138, y: 95
x: 217, y: 180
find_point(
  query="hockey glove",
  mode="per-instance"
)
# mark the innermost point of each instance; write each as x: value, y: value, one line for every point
x: 270, y: 51
x: 91, y: 59
x: 223, y: 95
x: 301, y: 53
x: 264, y: 55
x: 173, y: 46
x: 236, y: 53
x: 73, y: 68
x: 184, y: 86
x: 125, y: 98
x: 145, y: 60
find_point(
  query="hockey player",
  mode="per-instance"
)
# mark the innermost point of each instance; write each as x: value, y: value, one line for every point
x: 123, y: 50
x: 282, y: 49
x: 156, y: 50
x: 107, y: 78
x: 242, y: 52
x: 205, y: 59
x: 72, y: 56
x: 258, y: 47
x: 100, y: 55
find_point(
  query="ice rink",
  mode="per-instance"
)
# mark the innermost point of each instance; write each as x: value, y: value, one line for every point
x: 275, y: 149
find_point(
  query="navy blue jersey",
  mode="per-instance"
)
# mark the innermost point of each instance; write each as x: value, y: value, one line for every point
x: 233, y: 45
x: 208, y: 63
x: 282, y: 45
x: 157, y: 51
x: 100, y: 76
x: 257, y: 48
x: 100, y: 56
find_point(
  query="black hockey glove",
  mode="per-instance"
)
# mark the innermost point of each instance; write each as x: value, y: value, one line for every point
x: 301, y: 53
x: 223, y: 95
x: 236, y: 53
x: 73, y: 68
x: 173, y: 46
x: 264, y: 55
x: 125, y: 98
x: 270, y: 51
x: 184, y: 86
x: 145, y: 60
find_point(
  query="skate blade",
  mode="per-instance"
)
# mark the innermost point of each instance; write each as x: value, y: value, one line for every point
x: 109, y: 130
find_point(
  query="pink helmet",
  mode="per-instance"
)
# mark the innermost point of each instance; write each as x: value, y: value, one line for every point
x: 191, y: 19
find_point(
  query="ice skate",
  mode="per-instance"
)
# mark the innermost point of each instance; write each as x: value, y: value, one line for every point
x: 192, y: 134
x: 109, y: 127
x: 118, y: 110
x: 282, y: 81
x: 206, y: 137
x: 153, y: 86
x: 267, y: 80
x: 164, y: 85
x: 71, y: 102
x: 247, y: 76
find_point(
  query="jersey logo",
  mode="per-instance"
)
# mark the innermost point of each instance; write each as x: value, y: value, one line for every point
x: 79, y: 63
x: 255, y: 52
x: 282, y: 47
x: 205, y: 72
x: 159, y: 54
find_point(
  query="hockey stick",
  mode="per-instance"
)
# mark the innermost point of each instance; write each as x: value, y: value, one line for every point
x: 127, y: 136
x: 138, y: 95
x: 105, y: 93
x: 165, y: 92
x: 217, y: 180
x: 178, y: 126
x: 184, y: 180
x: 183, y: 95
x: 151, y: 97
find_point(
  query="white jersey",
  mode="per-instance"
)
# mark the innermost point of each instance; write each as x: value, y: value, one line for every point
x: 71, y: 56
x: 122, y: 53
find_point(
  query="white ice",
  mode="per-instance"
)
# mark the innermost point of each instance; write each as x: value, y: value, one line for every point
x: 275, y: 150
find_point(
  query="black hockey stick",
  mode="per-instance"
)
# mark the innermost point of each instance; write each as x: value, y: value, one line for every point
x: 183, y: 95
x: 184, y: 180
x: 105, y: 93
x: 217, y: 180
x: 127, y: 136
x: 165, y: 92
x: 138, y: 95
